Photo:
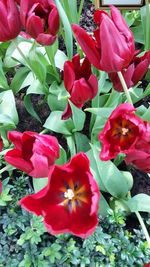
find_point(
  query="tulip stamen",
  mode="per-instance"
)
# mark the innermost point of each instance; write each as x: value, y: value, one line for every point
x: 69, y: 194
x: 124, y: 131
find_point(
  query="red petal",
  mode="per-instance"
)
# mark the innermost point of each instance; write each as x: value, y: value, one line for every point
x: 45, y: 39
x: 88, y: 45
x: 53, y: 21
x: 69, y: 75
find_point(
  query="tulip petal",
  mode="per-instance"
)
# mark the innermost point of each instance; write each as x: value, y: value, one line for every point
x: 87, y: 44
x: 69, y: 75
x: 45, y: 39
x: 53, y: 21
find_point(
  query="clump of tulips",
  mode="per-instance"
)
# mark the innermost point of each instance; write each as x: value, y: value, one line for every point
x: 70, y: 201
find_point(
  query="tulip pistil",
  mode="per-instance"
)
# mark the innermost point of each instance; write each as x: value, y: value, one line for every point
x: 73, y: 195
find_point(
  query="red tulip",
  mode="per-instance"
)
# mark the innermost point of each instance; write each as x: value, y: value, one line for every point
x: 112, y: 49
x: 40, y: 19
x: 1, y: 187
x: 121, y: 132
x: 79, y: 81
x: 69, y: 202
x: 33, y: 153
x: 10, y: 24
x: 140, y: 155
x: 147, y: 265
x: 133, y: 73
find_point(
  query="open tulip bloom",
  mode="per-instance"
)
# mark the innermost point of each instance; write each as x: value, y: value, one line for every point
x: 121, y: 132
x: 40, y: 19
x: 33, y: 153
x: 69, y: 202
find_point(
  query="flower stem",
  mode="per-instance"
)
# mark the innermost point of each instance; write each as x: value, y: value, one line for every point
x: 44, y: 131
x: 143, y: 227
x: 125, y: 88
x: 6, y: 168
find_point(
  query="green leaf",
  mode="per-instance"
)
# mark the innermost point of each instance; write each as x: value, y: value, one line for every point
x: 140, y: 202
x: 111, y: 177
x: 62, y: 158
x: 3, y: 81
x: 67, y: 29
x: 82, y: 142
x: 39, y: 183
x: 78, y: 117
x: 8, y: 107
x: 146, y: 115
x: 103, y: 206
x: 56, y: 124
x: 129, y: 179
x: 29, y: 107
x: 37, y: 66
x: 19, y: 78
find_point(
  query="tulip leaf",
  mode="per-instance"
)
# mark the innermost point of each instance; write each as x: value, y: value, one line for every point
x: 95, y: 170
x: 146, y: 115
x: 38, y: 67
x: 21, y: 79
x: 39, y: 183
x: 78, y: 117
x: 8, y: 107
x: 3, y: 81
x: 103, y: 206
x: 82, y: 142
x: 111, y: 177
x: 67, y: 29
x: 29, y: 107
x: 62, y: 158
x: 129, y: 179
x: 56, y: 124
x: 140, y: 202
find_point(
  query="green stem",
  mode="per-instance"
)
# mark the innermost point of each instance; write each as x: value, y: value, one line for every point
x: 6, y: 168
x: 147, y: 34
x: 44, y: 131
x: 80, y: 9
x: 125, y: 88
x: 143, y: 228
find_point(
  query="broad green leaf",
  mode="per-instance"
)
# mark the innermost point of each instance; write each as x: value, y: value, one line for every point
x: 60, y: 59
x: 146, y: 115
x: 103, y: 206
x: 18, y: 79
x: 39, y: 183
x: 129, y: 179
x: 62, y: 158
x: 111, y: 177
x: 140, y: 202
x: 37, y: 66
x: 82, y: 142
x: 7, y: 106
x: 145, y: 16
x: 56, y: 124
x: 29, y: 107
x: 103, y: 112
x: 78, y: 117
x: 3, y: 81
x: 67, y: 29
x: 95, y: 170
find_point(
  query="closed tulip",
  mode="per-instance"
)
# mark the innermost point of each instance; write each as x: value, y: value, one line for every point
x: 79, y: 81
x: 33, y: 153
x: 112, y: 47
x: 10, y: 24
x: 40, y: 19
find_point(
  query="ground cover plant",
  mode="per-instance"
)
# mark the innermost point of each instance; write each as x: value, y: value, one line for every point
x: 75, y: 135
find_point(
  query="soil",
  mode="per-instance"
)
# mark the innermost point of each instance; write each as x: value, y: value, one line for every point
x: 28, y: 123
